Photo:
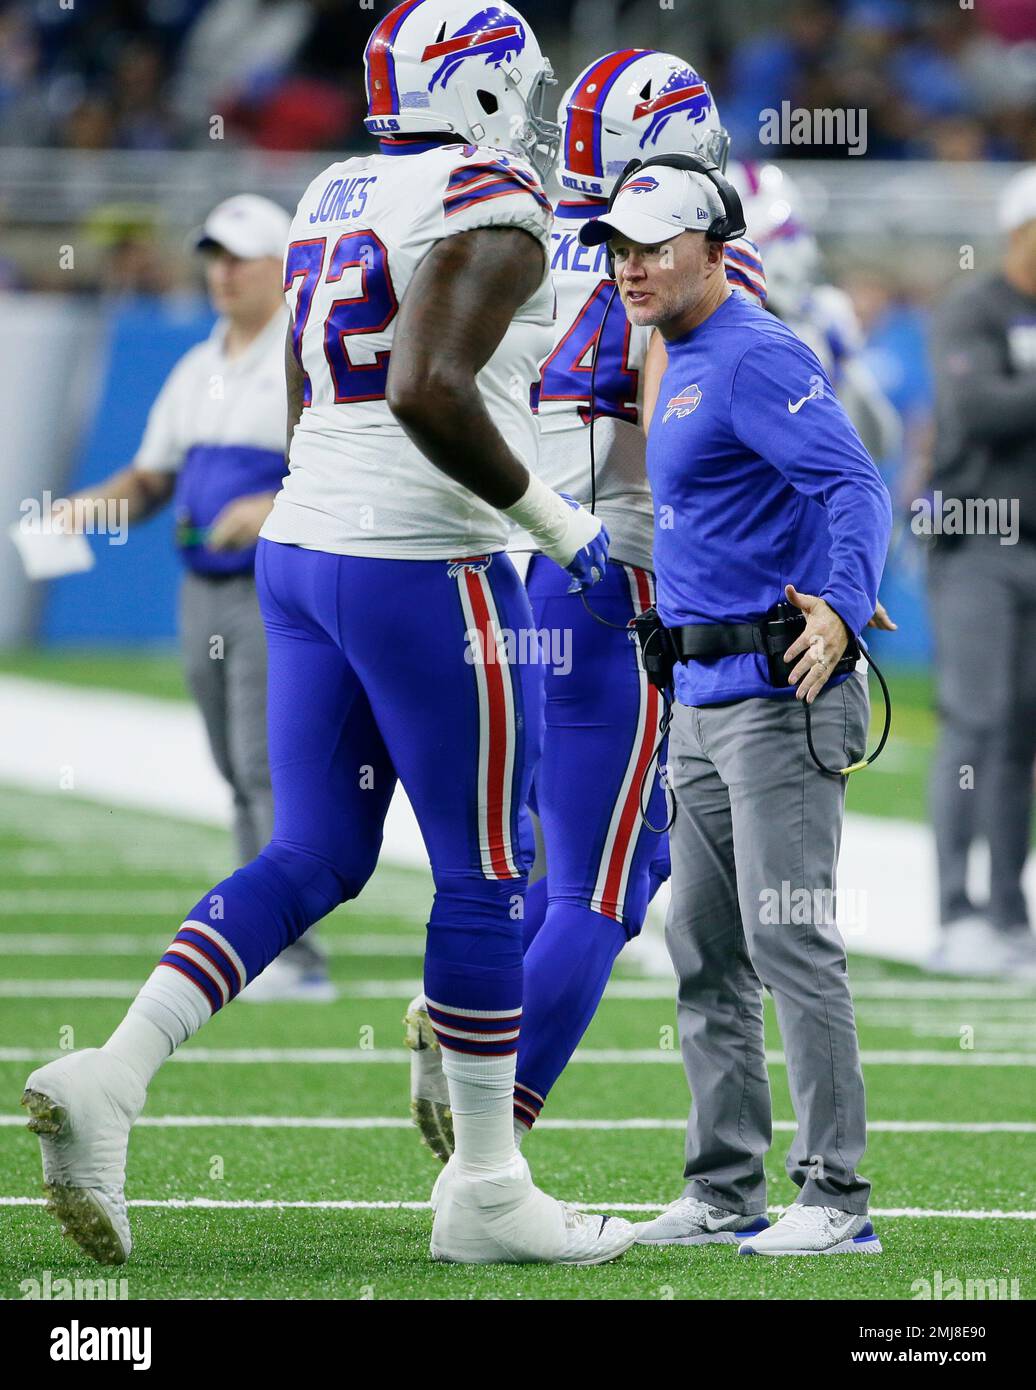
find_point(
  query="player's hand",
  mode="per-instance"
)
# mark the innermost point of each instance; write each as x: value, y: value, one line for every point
x: 587, y: 565
x: 882, y: 620
x: 818, y: 649
x: 237, y: 526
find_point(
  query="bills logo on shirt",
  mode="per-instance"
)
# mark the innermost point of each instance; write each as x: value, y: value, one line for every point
x: 685, y: 94
x: 683, y: 404
x: 473, y: 564
x: 491, y: 34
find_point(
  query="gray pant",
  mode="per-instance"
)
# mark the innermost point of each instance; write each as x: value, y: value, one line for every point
x: 224, y: 652
x: 756, y: 824
x: 983, y: 605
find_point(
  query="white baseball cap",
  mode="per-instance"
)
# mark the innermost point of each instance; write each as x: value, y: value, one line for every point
x: 657, y: 205
x: 247, y: 226
x: 1018, y: 203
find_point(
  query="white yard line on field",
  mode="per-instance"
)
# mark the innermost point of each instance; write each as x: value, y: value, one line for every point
x: 948, y: 992
x: 599, y: 1056
x: 886, y: 870
x: 364, y: 1122
x: 273, y: 1204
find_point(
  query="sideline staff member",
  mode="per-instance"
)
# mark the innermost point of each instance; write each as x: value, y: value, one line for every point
x: 214, y: 446
x: 762, y: 490
x: 982, y: 595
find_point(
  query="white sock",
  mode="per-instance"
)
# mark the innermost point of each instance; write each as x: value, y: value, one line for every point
x: 482, y: 1103
x: 168, y: 1010
x: 520, y: 1132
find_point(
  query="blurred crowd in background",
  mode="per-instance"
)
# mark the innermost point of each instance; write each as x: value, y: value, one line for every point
x: 939, y: 81
x: 106, y: 136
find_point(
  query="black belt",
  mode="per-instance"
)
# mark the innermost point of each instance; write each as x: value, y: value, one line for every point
x: 703, y: 641
x: 769, y: 638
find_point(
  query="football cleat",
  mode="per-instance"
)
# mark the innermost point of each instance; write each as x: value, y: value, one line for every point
x: 806, y: 1230
x: 81, y: 1108
x: 429, y: 1094
x: 506, y: 1219
x: 688, y: 1221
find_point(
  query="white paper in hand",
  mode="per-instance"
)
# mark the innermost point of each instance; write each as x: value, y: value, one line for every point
x: 50, y: 554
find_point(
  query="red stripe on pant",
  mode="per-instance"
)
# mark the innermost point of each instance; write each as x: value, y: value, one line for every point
x: 496, y: 733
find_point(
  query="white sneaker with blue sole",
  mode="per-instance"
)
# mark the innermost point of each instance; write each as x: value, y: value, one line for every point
x: 689, y: 1221
x: 806, y: 1230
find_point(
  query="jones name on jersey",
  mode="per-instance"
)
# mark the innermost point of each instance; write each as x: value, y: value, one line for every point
x: 356, y: 484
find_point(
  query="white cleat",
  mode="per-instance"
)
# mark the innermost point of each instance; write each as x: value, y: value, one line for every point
x: 505, y: 1219
x: 82, y: 1107
x: 688, y: 1221
x: 815, y: 1231
x: 429, y: 1094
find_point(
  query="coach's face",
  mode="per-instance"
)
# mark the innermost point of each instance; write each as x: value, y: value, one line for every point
x: 660, y: 284
x: 241, y: 288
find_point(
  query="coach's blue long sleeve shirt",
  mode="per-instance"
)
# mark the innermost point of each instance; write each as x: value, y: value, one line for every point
x: 759, y: 480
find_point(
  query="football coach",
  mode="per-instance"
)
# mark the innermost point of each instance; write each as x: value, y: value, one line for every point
x: 763, y: 495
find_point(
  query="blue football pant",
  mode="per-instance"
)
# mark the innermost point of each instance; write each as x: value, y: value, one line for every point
x: 603, y: 863
x: 378, y: 669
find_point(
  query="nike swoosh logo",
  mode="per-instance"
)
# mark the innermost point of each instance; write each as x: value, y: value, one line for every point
x: 794, y: 409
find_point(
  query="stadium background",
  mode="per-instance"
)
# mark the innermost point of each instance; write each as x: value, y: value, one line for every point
x: 110, y: 815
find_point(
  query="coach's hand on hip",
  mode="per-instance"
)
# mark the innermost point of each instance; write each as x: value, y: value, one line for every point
x: 820, y: 646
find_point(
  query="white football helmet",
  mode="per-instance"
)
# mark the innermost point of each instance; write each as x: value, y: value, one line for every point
x: 435, y: 66
x: 772, y: 204
x: 631, y: 105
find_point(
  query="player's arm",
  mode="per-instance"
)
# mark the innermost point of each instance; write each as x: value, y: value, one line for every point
x: 454, y: 315
x: 655, y: 362
x: 144, y: 491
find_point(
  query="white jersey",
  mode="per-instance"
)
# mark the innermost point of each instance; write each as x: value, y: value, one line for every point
x: 356, y: 484
x: 583, y: 290
x: 212, y: 400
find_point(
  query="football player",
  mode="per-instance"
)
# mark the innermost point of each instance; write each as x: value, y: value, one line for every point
x: 604, y: 860
x: 421, y: 306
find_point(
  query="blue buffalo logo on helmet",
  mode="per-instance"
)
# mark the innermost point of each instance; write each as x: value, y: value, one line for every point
x: 684, y: 94
x: 492, y: 35
x: 644, y: 185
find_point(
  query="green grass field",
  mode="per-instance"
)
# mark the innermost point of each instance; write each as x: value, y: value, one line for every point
x: 233, y: 1171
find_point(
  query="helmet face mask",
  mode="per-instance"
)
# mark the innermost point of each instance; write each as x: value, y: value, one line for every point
x: 449, y: 67
x: 633, y: 104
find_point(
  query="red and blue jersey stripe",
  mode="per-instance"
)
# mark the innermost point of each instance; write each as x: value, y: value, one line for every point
x: 480, y: 183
